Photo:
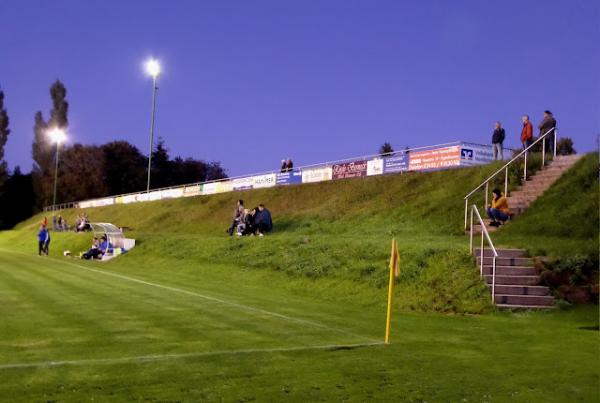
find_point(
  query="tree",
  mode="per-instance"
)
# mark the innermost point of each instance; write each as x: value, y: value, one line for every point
x: 4, y: 132
x: 60, y: 106
x: 18, y: 200
x: 124, y: 168
x: 386, y: 149
x: 80, y: 173
x: 162, y: 173
x: 565, y: 146
x: 43, y: 152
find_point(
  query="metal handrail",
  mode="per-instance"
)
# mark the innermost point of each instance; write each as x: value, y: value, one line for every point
x: 485, y: 232
x: 321, y: 164
x: 504, y: 168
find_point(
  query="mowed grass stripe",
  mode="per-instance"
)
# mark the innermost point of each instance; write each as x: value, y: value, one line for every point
x: 125, y: 318
x: 217, y: 299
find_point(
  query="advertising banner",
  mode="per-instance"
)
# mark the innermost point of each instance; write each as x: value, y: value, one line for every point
x: 264, y: 181
x: 119, y: 200
x: 289, y: 178
x: 224, y: 186
x: 352, y: 169
x: 102, y: 202
x: 242, y: 183
x: 155, y: 195
x: 172, y: 193
x: 476, y: 154
x: 190, y: 191
x: 130, y: 199
x: 434, y: 159
x: 209, y: 188
x: 375, y: 167
x: 85, y: 204
x: 397, y: 163
x: 316, y: 174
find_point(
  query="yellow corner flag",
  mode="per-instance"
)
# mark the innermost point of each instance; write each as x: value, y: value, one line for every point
x: 394, y: 271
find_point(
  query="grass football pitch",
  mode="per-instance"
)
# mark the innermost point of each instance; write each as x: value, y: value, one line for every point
x: 77, y: 331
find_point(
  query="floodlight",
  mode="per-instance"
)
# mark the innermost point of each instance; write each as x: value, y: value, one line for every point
x: 57, y: 135
x: 153, y: 67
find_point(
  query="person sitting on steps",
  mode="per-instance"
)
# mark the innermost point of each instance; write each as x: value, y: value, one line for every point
x: 498, y: 211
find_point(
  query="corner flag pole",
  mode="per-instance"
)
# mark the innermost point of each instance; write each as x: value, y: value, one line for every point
x: 394, y: 271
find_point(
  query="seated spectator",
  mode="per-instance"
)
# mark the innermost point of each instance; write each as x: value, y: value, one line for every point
x: 498, y: 211
x: 43, y: 241
x: 263, y: 220
x: 237, y: 213
x: 105, y: 245
x: 248, y: 226
x: 94, y: 251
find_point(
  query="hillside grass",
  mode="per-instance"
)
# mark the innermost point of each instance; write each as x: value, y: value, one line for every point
x: 564, y: 222
x: 342, y: 231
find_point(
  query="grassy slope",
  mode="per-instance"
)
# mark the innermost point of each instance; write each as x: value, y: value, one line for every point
x: 564, y: 221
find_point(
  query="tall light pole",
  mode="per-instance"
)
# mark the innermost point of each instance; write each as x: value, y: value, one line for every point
x: 58, y: 136
x: 153, y: 68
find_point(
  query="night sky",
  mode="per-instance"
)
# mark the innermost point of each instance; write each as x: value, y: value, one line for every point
x: 248, y: 83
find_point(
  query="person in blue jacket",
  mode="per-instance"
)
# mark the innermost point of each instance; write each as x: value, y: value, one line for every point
x: 43, y: 241
x: 263, y: 220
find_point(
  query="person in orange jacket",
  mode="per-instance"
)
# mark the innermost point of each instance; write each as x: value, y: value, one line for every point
x: 498, y: 211
x: 527, y: 132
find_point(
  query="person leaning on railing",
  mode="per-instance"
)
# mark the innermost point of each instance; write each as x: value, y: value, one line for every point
x: 498, y: 211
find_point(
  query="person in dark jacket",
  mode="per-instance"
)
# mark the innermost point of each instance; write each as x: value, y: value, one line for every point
x: 43, y: 241
x: 237, y: 215
x: 498, y: 140
x: 548, y: 123
x: 263, y: 220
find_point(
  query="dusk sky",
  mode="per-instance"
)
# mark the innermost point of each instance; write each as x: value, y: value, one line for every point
x: 248, y: 83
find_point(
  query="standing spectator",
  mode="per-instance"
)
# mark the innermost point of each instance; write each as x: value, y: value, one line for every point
x: 526, y: 132
x: 54, y: 222
x: 283, y: 166
x: 289, y: 165
x: 237, y: 216
x: 43, y: 241
x: 497, y: 140
x: 45, y: 222
x: 548, y: 123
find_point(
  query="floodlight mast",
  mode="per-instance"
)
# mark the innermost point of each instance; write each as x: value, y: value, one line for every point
x: 58, y: 136
x: 153, y: 69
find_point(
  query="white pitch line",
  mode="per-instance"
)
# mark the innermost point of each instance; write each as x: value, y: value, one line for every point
x: 164, y: 357
x: 209, y: 298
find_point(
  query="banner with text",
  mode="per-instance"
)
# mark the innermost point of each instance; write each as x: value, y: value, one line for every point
x: 396, y: 163
x: 434, y: 159
x: 316, y: 175
x: 352, y: 169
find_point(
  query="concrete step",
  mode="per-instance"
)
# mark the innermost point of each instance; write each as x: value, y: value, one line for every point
x: 487, y: 252
x: 477, y: 229
x: 511, y: 270
x: 521, y: 290
x: 513, y: 280
x: 525, y: 300
x: 523, y: 307
x: 505, y: 261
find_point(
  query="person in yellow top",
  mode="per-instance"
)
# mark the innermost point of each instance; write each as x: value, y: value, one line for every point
x: 498, y: 211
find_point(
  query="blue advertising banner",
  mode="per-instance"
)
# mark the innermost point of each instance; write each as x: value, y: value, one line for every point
x: 289, y: 178
x: 397, y: 163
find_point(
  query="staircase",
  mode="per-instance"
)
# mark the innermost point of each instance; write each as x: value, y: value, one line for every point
x: 534, y: 187
x: 517, y: 281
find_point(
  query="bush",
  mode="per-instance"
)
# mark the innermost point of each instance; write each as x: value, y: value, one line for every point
x: 565, y: 146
